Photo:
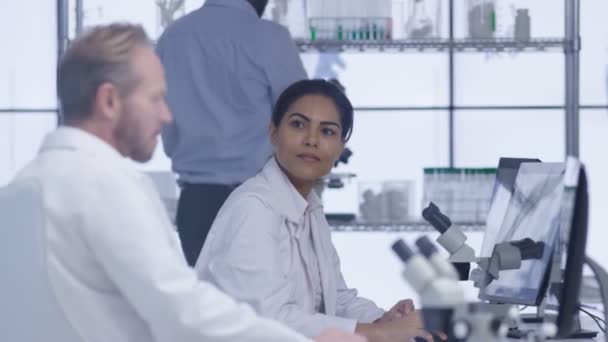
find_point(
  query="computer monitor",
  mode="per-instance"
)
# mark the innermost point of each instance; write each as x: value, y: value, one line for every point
x: 501, y: 195
x: 533, y: 211
x: 571, y: 247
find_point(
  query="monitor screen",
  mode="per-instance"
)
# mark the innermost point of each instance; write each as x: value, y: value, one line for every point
x: 532, y: 211
x: 501, y: 195
x: 571, y: 246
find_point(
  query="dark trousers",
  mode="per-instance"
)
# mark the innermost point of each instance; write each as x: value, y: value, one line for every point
x: 196, y: 209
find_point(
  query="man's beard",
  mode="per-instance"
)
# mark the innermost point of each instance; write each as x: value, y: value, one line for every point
x: 126, y: 135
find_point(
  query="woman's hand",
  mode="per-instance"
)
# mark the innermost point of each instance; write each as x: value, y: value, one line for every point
x: 334, y: 335
x: 399, y: 310
x: 401, y: 329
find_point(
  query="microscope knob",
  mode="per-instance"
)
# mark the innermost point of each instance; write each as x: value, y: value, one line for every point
x: 461, y: 329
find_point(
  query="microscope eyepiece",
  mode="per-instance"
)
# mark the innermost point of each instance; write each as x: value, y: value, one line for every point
x: 439, y: 221
x: 402, y: 250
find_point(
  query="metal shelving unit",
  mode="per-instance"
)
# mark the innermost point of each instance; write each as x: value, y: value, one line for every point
x: 401, y: 227
x: 570, y: 45
x: 440, y: 45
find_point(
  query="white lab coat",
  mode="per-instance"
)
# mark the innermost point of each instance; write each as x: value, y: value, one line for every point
x: 114, y: 259
x: 254, y: 253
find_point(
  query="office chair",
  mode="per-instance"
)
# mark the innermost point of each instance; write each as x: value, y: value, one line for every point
x: 29, y: 311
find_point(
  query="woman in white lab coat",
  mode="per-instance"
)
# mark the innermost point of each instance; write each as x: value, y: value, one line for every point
x: 270, y: 244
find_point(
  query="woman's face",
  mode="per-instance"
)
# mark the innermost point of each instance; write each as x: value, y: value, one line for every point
x: 309, y: 138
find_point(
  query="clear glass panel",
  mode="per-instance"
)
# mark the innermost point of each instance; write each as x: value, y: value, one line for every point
x: 593, y: 142
x: 391, y: 146
x: 29, y: 58
x: 482, y: 137
x: 594, y: 53
x: 509, y: 79
x: 385, y: 79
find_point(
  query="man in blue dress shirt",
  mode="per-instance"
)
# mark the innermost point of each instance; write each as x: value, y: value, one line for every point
x: 225, y: 67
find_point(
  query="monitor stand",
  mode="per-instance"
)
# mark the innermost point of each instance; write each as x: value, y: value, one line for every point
x: 554, y: 289
x: 578, y: 333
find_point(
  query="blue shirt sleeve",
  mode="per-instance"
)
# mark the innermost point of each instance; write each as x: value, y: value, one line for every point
x: 282, y: 59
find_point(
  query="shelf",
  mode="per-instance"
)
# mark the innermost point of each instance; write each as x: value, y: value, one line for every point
x: 489, y: 45
x: 414, y: 226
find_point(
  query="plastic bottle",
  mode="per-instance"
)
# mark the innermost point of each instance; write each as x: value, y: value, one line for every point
x: 522, y: 25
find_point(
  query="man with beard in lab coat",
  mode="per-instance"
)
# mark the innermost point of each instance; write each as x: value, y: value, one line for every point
x: 114, y: 259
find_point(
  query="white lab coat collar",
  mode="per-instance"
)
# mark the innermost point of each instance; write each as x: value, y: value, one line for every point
x: 286, y: 198
x: 76, y: 139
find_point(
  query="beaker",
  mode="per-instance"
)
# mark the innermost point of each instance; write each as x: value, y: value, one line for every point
x: 481, y: 19
x: 419, y: 23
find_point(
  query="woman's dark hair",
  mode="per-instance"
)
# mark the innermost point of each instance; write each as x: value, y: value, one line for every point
x: 315, y: 87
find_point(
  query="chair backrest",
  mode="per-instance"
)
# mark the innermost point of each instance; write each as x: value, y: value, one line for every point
x: 29, y: 310
x: 165, y: 183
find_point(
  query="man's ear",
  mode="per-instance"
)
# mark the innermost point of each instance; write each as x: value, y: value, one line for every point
x: 107, y: 102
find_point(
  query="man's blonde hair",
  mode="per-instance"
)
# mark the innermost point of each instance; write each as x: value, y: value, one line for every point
x: 100, y: 55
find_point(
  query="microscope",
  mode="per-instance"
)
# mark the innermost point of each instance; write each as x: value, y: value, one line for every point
x: 505, y: 256
x: 443, y: 301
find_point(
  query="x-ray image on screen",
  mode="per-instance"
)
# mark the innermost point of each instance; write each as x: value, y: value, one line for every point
x: 533, y: 212
x: 503, y: 190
